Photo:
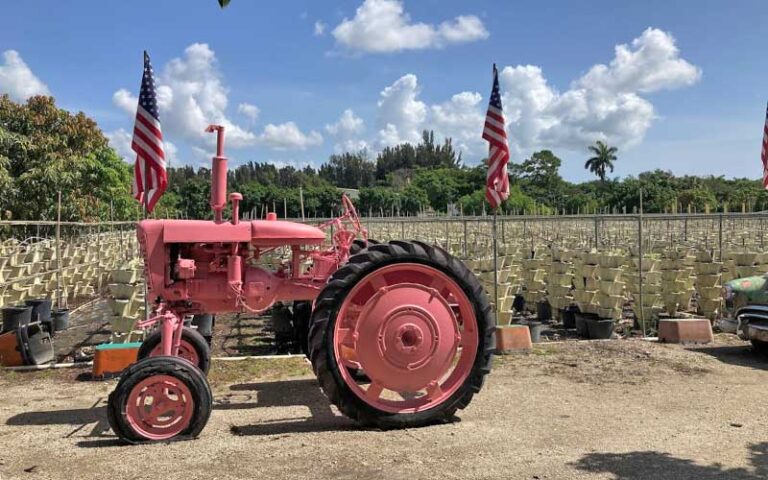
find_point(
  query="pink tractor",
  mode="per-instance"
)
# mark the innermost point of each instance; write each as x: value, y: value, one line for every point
x: 399, y: 333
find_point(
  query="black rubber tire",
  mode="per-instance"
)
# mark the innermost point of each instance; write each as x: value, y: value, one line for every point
x: 191, y: 336
x: 302, y: 311
x: 173, y: 366
x: 760, y: 347
x: 326, y: 310
x: 359, y: 245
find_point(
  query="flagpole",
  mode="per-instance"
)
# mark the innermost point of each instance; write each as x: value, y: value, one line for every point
x: 495, y: 270
x: 145, y: 201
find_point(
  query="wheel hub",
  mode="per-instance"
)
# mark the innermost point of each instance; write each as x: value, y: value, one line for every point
x: 159, y: 407
x: 406, y: 337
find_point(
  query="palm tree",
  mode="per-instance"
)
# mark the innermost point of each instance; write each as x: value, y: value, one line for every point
x: 604, y: 158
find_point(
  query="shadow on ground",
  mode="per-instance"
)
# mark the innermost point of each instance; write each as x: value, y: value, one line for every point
x: 288, y: 393
x: 661, y: 466
x: 739, y: 355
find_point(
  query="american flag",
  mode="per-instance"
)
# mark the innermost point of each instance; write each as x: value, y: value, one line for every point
x: 764, y: 154
x: 497, y: 181
x: 150, y: 178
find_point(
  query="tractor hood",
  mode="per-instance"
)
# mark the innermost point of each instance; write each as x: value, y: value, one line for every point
x: 263, y: 233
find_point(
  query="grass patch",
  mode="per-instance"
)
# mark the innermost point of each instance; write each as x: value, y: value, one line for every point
x: 225, y: 372
x: 544, y: 351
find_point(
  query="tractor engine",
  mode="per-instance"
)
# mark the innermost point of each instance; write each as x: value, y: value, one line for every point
x: 199, y: 266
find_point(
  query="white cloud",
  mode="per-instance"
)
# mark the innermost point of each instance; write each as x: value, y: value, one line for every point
x: 320, y: 28
x: 171, y: 153
x: 17, y: 80
x: 346, y: 131
x: 606, y: 103
x: 249, y: 111
x: 191, y: 95
x: 381, y: 26
x: 460, y: 118
x: 652, y: 63
x: 120, y: 140
x: 401, y: 115
x: 287, y: 136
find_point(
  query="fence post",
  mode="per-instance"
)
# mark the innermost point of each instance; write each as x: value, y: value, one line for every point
x: 447, y: 235
x: 58, y: 253
x: 720, y: 236
x: 640, y: 262
x: 465, y: 238
x: 596, y: 243
x: 402, y: 229
x: 503, y: 234
x: 98, y: 257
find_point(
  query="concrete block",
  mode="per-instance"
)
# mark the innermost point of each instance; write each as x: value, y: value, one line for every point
x: 685, y: 330
x: 513, y: 339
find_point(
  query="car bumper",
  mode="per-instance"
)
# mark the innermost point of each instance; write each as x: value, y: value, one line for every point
x: 758, y: 332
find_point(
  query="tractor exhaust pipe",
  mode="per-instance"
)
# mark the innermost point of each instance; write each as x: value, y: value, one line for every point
x: 218, y: 175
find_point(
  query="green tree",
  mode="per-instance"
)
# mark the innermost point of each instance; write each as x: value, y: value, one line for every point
x: 349, y: 170
x: 413, y: 200
x: 603, y: 159
x: 539, y: 178
x: 44, y: 150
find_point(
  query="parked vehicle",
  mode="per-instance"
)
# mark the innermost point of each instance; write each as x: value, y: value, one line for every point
x: 746, y: 309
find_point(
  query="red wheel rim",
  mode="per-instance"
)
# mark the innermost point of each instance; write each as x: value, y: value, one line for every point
x: 186, y: 351
x: 413, y: 331
x: 159, y: 407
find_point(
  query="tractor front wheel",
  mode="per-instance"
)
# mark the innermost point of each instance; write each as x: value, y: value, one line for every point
x: 192, y: 347
x: 160, y: 399
x: 416, y: 321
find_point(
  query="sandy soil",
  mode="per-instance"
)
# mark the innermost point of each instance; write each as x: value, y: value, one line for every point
x: 616, y: 409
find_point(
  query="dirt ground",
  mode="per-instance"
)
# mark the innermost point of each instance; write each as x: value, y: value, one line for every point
x: 625, y: 409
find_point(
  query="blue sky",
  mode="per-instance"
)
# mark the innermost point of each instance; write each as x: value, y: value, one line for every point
x: 689, y: 94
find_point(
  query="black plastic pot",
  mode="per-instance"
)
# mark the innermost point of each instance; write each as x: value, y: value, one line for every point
x: 16, y: 316
x: 569, y: 317
x: 41, y: 312
x: 204, y: 324
x: 543, y: 311
x: 581, y: 325
x: 600, y: 329
x: 536, y: 328
x: 60, y: 319
x: 518, y: 303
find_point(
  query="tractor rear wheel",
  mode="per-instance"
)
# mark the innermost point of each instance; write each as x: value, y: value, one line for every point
x: 193, y: 347
x: 160, y: 399
x: 359, y: 245
x: 416, y: 321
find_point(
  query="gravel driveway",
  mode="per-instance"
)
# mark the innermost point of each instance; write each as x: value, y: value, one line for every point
x: 614, y: 409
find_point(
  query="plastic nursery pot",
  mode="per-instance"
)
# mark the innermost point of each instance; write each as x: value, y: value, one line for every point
x: 204, y: 324
x: 580, y: 322
x: 41, y: 309
x: 600, y: 329
x: 569, y: 317
x: 518, y: 304
x: 536, y: 328
x: 543, y: 311
x: 60, y: 319
x: 15, y: 316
